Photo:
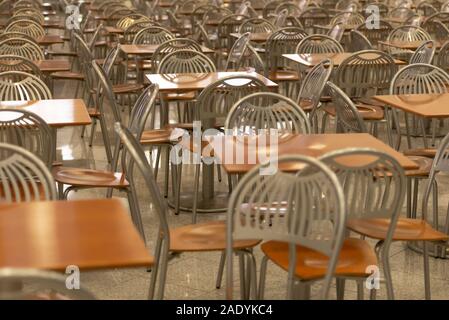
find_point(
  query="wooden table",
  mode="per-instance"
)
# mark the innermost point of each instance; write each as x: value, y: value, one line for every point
x: 49, y: 39
x: 51, y: 235
x: 312, y: 59
x: 313, y: 145
x: 407, y: 45
x: 149, y: 49
x: 48, y: 66
x: 113, y: 30
x: 328, y: 27
x: 255, y: 37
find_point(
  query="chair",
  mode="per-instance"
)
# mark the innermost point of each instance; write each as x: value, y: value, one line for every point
x: 25, y: 177
x: 38, y: 18
x: 244, y: 56
x: 28, y: 27
x: 280, y: 19
x: 377, y: 34
x: 292, y: 9
x: 8, y: 35
x: 208, y: 236
x: 18, y: 63
x: 426, y: 9
x: 313, y: 16
x: 318, y: 43
x: 170, y: 46
x: 270, y: 8
x: 359, y: 42
x: 438, y: 30
x: 18, y: 85
x: 401, y: 13
x: 405, y: 34
x: 21, y: 47
x: 128, y: 20
x: 424, y: 53
x: 130, y: 32
x: 46, y: 286
x: 348, y: 19
x: 337, y: 31
x: 186, y: 61
x: 256, y: 25
x: 229, y: 24
x: 296, y: 230
x: 152, y: 35
x: 442, y: 58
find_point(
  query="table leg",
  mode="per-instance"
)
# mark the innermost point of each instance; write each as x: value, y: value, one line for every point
x: 208, y: 181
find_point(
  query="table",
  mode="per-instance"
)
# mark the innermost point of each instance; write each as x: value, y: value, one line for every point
x: 113, y: 30
x: 51, y: 235
x: 48, y: 66
x: 312, y: 59
x: 313, y: 145
x: 49, y: 39
x: 407, y: 45
x: 149, y: 49
x: 255, y: 37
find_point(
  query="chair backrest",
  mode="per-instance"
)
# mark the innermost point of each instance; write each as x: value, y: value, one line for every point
x: 143, y: 108
x: 365, y: 73
x: 19, y: 63
x: 256, y: 25
x: 292, y: 8
x: 295, y: 218
x: 130, y: 32
x: 24, y: 177
x: 270, y: 8
x: 420, y: 78
x: 237, y: 51
x: 348, y: 117
x: 26, y: 16
x: 437, y: 30
x: 442, y: 59
x: 408, y: 33
x: 337, y: 31
x: 319, y: 43
x: 21, y: 47
x: 348, y: 18
x: 280, y: 19
x: 313, y: 16
x: 217, y: 99
x: 29, y: 131
x: 265, y: 111
x: 128, y: 20
x: 18, y: 85
x: 8, y: 35
x: 424, y: 53
x: 229, y: 24
x: 359, y: 42
x: 170, y: 46
x: 445, y: 7
x: 426, y: 9
x: 374, y: 35
x: 29, y: 27
x: 401, y: 13
x: 186, y: 61
x: 152, y: 35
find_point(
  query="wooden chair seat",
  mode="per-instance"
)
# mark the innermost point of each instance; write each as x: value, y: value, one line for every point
x: 425, y: 165
x: 219, y: 123
x: 208, y: 236
x: 62, y: 53
x: 284, y: 75
x: 142, y: 64
x: 118, y: 60
x: 161, y: 136
x: 125, y: 88
x: 421, y: 152
x: 306, y: 105
x: 101, y: 43
x: 406, y: 229
x: 67, y: 75
x: 355, y: 256
x: 368, y: 112
x: 179, y: 96
x: 94, y: 112
x: 81, y: 177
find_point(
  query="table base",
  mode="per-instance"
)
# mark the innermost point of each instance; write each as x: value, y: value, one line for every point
x: 434, y: 250
x: 217, y: 204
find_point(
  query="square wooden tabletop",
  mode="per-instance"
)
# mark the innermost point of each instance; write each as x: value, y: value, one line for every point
x: 407, y: 45
x: 240, y: 154
x: 51, y: 235
x: 255, y: 37
x: 198, y: 81
x: 53, y: 65
x: 424, y: 105
x: 149, y: 49
x: 56, y: 112
x: 49, y: 39
x: 113, y: 30
x: 312, y: 59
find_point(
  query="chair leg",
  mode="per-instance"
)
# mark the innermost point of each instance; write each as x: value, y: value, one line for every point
x: 360, y: 295
x: 340, y: 287
x: 242, y: 276
x: 92, y: 132
x: 263, y: 273
x: 178, y: 186
x: 196, y: 186
x: 155, y: 269
x: 135, y: 213
x: 219, y: 172
x: 220, y: 270
x: 156, y: 165
x: 426, y: 270
x: 415, y: 197
x: 60, y: 191
x: 163, y: 271
x: 387, y: 274
x: 409, y: 197
x: 435, y: 205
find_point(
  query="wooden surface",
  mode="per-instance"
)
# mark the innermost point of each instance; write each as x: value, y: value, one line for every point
x: 312, y: 59
x: 255, y: 37
x: 149, y: 49
x: 226, y: 149
x: 424, y: 105
x: 53, y: 65
x: 56, y: 112
x: 49, y: 39
x: 113, y: 30
x: 90, y: 234
x: 347, y: 27
x: 406, y: 45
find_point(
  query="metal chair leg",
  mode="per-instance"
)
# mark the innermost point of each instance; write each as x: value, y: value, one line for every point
x: 340, y: 287
x: 220, y: 270
x: 196, y: 192
x: 426, y: 270
x: 263, y: 273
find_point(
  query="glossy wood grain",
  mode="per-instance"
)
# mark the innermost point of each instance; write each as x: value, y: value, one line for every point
x: 406, y: 45
x: 49, y: 39
x: 113, y: 30
x: 424, y: 105
x: 90, y: 234
x: 255, y: 37
x: 53, y: 65
x: 197, y: 81
x: 149, y: 49
x: 312, y: 59
x: 56, y: 112
x: 241, y: 154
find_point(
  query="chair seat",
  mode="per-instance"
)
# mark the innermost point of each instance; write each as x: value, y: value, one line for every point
x: 142, y: 64
x: 306, y: 105
x: 94, y: 112
x: 368, y: 112
x: 175, y: 96
x: 62, y: 53
x: 355, y: 256
x: 421, y: 152
x: 283, y: 75
x: 161, y: 136
x: 101, y: 43
x: 89, y: 178
x: 219, y: 123
x: 69, y: 75
x: 124, y: 88
x: 208, y: 236
x: 425, y: 165
x: 406, y: 229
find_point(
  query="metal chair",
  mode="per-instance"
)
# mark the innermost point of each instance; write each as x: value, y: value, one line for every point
x: 405, y: 34
x: 337, y: 31
x: 24, y: 176
x: 442, y: 58
x: 170, y: 46
x: 295, y: 229
x: 256, y: 25
x: 313, y: 16
x: 242, y: 55
x: 348, y: 19
x: 130, y: 32
x: 426, y: 9
x: 319, y: 43
x: 21, y: 47
x: 438, y: 30
x: 18, y: 63
x: 401, y: 13
x: 424, y: 53
x: 376, y: 34
x: 186, y: 61
x: 358, y: 42
x: 18, y: 85
x: 128, y: 20
x: 28, y: 27
x: 8, y: 35
x: 153, y: 35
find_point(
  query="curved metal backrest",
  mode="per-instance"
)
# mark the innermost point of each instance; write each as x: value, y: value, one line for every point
x: 216, y: 13
x: 270, y: 8
x: 408, y: 33
x: 29, y: 131
x: 22, y: 86
x: 292, y: 8
x: 359, y: 42
x: 217, y: 99
x: 265, y: 111
x: 152, y: 35
x: 23, y: 176
x: 128, y: 20
x: 319, y: 43
x: 29, y: 16
x: 110, y: 59
x: 348, y: 18
x: 445, y: 7
x: 113, y: 7
x: 442, y: 59
x: 46, y: 285
x: 19, y: 63
x: 424, y: 53
x: 29, y: 27
x: 85, y: 57
x: 119, y: 13
x: 401, y: 13
x: 337, y: 31
x: 437, y: 30
x: 365, y: 73
x: 21, y: 47
x: 348, y: 117
x: 9, y: 35
x: 256, y: 25
x: 131, y: 31
x: 142, y: 109
x: 343, y: 4
x: 381, y: 7
x: 374, y: 35
x: 295, y: 216
x: 237, y: 51
x: 170, y: 46
x: 420, y: 78
x: 186, y: 61
x: 313, y: 16
x: 426, y: 9
x: 280, y: 19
